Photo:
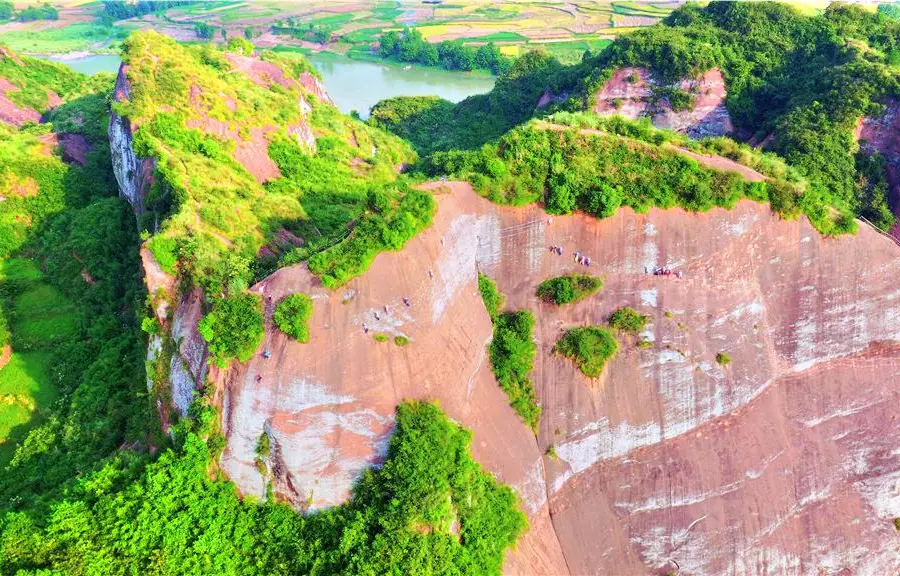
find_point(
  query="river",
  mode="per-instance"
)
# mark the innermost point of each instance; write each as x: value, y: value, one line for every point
x: 352, y: 84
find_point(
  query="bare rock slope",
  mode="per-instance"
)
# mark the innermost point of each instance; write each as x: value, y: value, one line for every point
x: 782, y: 462
x: 630, y: 93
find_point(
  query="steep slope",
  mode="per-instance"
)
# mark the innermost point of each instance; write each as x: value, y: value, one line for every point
x: 634, y: 93
x: 217, y: 153
x: 810, y: 324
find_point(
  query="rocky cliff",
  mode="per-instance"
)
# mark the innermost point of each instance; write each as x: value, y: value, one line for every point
x: 177, y: 354
x: 634, y: 93
x: 134, y: 175
x: 782, y: 461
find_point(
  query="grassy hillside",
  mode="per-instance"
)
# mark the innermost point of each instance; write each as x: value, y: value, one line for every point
x: 193, y: 109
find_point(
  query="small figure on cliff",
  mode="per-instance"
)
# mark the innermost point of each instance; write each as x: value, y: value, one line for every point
x: 376, y: 315
x: 259, y: 377
x: 407, y: 302
x: 387, y: 309
x: 266, y: 354
x: 431, y: 274
x: 365, y: 328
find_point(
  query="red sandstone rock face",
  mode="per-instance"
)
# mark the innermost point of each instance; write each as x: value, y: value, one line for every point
x: 629, y: 93
x: 11, y: 113
x: 782, y: 462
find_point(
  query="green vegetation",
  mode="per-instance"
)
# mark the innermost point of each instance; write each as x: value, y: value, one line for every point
x: 492, y: 298
x: 401, y: 341
x: 512, y: 357
x: 292, y: 316
x: 343, y: 204
x: 512, y: 352
x: 897, y: 523
x: 410, y: 46
x: 807, y: 80
x: 429, y: 509
x: 379, y: 337
x: 86, y: 457
x: 589, y: 347
x: 723, y: 359
x: 70, y: 299
x: 38, y: 12
x: 432, y: 124
x: 7, y: 9
x: 593, y: 172
x: 233, y: 328
x: 628, y: 320
x: 567, y: 289
x: 116, y: 10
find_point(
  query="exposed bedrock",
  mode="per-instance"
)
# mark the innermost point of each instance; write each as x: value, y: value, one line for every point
x: 134, y: 175
x: 783, y: 461
x: 630, y: 93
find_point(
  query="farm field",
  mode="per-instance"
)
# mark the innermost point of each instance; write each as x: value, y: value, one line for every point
x: 565, y: 30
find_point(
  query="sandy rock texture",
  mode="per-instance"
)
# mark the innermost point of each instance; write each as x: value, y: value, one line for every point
x: 629, y: 93
x: 782, y: 462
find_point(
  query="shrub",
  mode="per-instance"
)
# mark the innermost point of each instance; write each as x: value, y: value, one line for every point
x: 628, y: 320
x: 512, y: 355
x: 401, y: 340
x: 568, y: 289
x: 723, y: 359
x: 233, y: 328
x: 590, y: 347
x: 492, y: 298
x: 263, y: 448
x: 379, y: 337
x: 292, y: 316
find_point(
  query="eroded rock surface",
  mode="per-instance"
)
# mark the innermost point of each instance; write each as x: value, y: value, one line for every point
x: 782, y: 462
x: 134, y: 175
x: 630, y: 93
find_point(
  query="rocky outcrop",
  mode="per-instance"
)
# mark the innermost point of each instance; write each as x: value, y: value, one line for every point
x: 179, y: 346
x: 630, y: 92
x: 782, y: 461
x: 134, y: 175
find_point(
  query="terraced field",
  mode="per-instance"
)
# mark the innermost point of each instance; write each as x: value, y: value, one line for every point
x: 565, y: 29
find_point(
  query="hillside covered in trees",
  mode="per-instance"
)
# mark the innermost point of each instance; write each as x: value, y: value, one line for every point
x: 802, y: 81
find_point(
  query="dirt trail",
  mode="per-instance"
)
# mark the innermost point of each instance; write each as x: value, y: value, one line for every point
x: 785, y: 457
x: 709, y: 160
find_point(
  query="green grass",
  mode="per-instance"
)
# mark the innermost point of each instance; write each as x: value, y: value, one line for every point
x: 496, y: 37
x: 74, y: 37
x: 379, y: 337
x: 723, y: 359
x: 41, y: 315
x: 19, y: 270
x: 401, y: 340
x: 25, y: 392
x: 589, y: 347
